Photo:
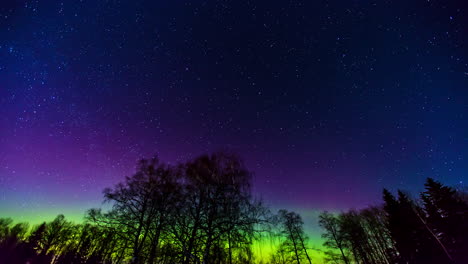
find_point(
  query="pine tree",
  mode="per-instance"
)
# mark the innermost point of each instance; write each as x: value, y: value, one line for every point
x: 413, y: 239
x: 447, y: 216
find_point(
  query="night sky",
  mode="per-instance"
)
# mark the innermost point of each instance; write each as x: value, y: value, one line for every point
x: 327, y: 101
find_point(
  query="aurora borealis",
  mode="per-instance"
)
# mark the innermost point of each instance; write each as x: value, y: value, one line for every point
x: 327, y: 102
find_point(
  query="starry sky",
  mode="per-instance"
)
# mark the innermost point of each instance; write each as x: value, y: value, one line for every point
x: 327, y: 101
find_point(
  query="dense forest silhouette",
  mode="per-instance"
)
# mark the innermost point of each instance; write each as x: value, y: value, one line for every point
x: 202, y: 211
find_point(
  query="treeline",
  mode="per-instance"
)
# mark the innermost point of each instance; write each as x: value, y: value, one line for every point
x: 202, y: 211
x: 433, y: 229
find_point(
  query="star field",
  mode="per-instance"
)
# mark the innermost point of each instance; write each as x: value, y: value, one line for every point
x: 327, y: 102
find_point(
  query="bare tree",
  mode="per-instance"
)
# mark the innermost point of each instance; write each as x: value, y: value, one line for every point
x: 334, y: 237
x: 295, y: 238
x: 217, y: 207
x: 140, y: 208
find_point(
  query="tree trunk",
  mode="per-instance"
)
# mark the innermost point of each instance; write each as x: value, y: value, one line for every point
x: 230, y: 251
x: 305, y: 249
x: 154, y: 245
x: 294, y: 244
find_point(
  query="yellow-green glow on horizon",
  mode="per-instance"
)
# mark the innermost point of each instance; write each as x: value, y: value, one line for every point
x: 265, y: 248
x: 262, y: 248
x: 34, y: 217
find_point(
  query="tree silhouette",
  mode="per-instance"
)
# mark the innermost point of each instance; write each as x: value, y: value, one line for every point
x: 334, y: 238
x: 414, y: 241
x: 295, y: 240
x: 140, y: 209
x: 203, y: 211
x: 217, y: 205
x: 447, y: 216
x: 203, y: 207
x: 379, y: 239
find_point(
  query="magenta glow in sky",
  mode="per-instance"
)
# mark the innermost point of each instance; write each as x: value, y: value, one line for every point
x: 326, y: 107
